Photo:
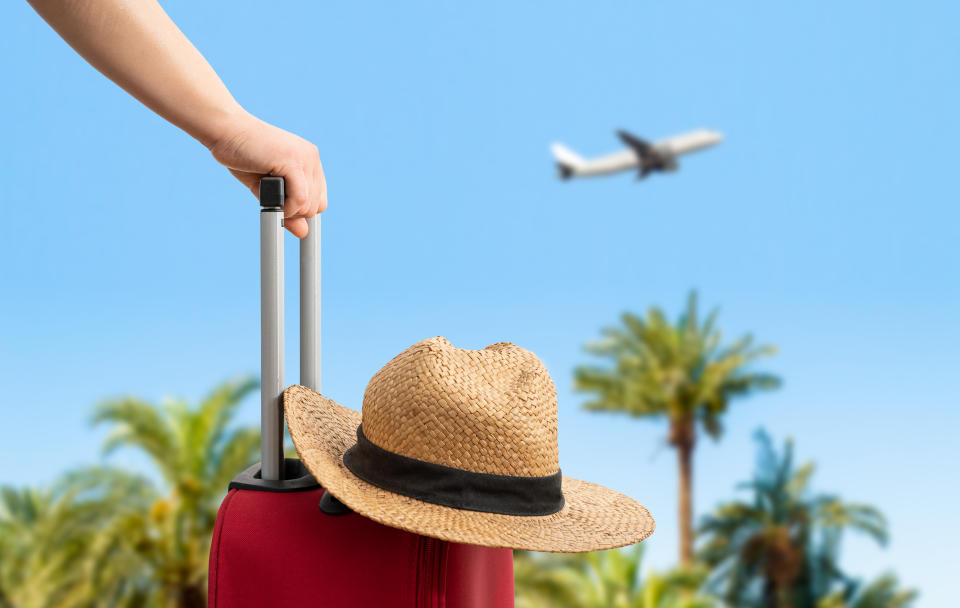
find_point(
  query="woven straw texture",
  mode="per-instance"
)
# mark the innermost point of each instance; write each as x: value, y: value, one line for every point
x: 489, y: 411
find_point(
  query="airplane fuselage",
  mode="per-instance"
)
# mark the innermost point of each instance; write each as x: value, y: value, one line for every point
x: 639, y: 156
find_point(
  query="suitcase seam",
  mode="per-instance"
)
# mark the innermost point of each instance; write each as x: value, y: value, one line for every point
x: 441, y: 573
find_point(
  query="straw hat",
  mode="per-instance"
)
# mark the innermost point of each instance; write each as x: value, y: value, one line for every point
x: 460, y: 445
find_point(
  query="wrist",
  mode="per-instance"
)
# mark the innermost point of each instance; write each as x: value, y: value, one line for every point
x: 223, y: 125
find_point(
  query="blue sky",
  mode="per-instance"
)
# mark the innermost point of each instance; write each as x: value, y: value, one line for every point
x: 827, y: 224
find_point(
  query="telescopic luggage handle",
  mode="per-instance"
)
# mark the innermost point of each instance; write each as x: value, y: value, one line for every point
x: 272, y: 197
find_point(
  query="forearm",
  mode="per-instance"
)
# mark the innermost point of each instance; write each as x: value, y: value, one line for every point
x: 135, y: 44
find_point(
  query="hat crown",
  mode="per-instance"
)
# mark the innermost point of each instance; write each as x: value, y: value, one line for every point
x: 492, y: 410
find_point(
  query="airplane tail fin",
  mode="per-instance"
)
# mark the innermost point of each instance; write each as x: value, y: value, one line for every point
x: 568, y: 161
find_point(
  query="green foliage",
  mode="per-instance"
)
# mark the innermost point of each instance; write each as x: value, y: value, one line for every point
x: 881, y: 593
x: 604, y: 579
x: 678, y: 371
x: 194, y: 449
x: 105, y: 537
x: 67, y: 547
x: 780, y: 548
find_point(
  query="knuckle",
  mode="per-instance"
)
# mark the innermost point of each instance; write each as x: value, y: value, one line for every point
x: 296, y: 205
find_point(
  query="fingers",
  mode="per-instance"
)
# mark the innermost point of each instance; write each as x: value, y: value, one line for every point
x: 297, y: 226
x: 320, y: 182
x: 297, y: 186
x: 306, y: 192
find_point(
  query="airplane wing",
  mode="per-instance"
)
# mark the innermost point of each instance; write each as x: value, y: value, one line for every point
x: 690, y: 142
x: 638, y: 145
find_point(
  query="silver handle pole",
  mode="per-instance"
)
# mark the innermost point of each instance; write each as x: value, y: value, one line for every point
x: 271, y: 328
x: 310, y: 306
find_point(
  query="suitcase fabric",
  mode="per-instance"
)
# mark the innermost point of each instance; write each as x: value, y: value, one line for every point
x: 278, y: 549
x: 273, y: 546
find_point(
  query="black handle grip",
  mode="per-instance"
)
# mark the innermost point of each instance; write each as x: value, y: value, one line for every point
x: 271, y: 192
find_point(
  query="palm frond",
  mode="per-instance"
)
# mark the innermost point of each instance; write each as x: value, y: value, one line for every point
x: 139, y: 424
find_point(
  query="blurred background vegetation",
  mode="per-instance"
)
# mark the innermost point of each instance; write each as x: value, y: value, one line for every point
x: 109, y: 536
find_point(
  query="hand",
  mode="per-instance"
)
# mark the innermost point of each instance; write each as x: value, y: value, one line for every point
x: 251, y: 149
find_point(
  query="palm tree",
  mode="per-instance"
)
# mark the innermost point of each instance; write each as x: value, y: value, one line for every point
x: 604, y: 579
x: 105, y: 537
x: 779, y: 548
x: 59, y: 547
x: 681, y: 372
x: 196, y: 452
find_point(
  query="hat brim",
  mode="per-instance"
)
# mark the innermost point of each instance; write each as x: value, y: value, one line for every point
x: 593, y: 517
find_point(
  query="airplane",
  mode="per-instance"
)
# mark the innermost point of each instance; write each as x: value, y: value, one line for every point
x: 640, y: 154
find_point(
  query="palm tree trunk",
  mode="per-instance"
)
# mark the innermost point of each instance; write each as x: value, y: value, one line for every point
x: 783, y: 597
x: 771, y: 595
x: 685, y: 503
x: 682, y: 438
x: 192, y: 596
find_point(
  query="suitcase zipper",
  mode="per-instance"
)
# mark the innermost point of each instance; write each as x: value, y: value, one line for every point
x: 430, y: 574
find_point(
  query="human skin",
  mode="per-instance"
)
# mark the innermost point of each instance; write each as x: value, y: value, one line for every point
x: 135, y: 44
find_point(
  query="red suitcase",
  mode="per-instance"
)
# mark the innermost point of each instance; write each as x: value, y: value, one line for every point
x: 273, y: 545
